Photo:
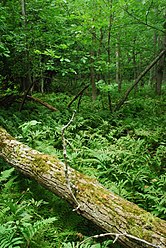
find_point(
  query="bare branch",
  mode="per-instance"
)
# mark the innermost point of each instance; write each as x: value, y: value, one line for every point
x: 66, y: 167
x: 117, y: 235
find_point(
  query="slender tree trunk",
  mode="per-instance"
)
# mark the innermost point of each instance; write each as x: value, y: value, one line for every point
x: 159, y: 75
x: 135, y: 228
x: 92, y: 76
x: 164, y: 46
x: 99, y: 76
x: 92, y: 70
x: 154, y: 69
x: 161, y: 63
x: 27, y: 81
x: 109, y: 41
x: 118, y: 68
x: 134, y: 58
x: 109, y: 52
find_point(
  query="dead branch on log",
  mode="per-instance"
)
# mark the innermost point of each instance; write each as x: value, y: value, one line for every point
x: 35, y: 99
x: 79, y: 94
x: 108, y: 211
x: 66, y: 168
x: 117, y: 235
x: 121, y: 102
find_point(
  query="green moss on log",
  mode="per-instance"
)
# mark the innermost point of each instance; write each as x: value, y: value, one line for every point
x: 40, y: 163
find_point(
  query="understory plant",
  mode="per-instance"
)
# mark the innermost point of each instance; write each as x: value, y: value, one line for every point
x: 125, y: 151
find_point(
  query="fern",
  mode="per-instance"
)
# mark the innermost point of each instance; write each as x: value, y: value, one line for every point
x: 6, y: 174
x: 8, y: 238
x: 78, y: 245
x: 29, y: 230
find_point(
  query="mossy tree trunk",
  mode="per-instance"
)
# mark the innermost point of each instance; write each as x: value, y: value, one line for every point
x: 107, y: 210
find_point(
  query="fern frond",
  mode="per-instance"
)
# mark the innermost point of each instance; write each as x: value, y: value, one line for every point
x: 6, y: 174
x: 28, y: 230
x: 7, y: 237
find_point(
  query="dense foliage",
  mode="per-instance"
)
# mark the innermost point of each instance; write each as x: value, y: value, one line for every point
x: 54, y: 49
x: 74, y: 41
x: 126, y: 151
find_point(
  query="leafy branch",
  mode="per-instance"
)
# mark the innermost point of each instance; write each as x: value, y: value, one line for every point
x: 141, y: 21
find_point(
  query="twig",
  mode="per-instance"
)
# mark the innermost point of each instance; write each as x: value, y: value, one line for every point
x: 117, y: 235
x: 66, y: 169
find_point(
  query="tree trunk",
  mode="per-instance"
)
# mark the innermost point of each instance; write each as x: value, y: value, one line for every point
x: 152, y: 78
x: 92, y: 69
x: 118, y: 67
x: 107, y: 210
x: 109, y: 42
x: 27, y: 80
x: 92, y: 76
x: 109, y: 52
x: 159, y: 75
x: 161, y: 64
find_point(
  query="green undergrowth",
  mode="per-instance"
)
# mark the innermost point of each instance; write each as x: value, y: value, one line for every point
x: 125, y: 151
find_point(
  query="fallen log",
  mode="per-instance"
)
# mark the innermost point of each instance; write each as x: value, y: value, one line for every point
x: 8, y: 100
x: 35, y: 99
x: 135, y: 228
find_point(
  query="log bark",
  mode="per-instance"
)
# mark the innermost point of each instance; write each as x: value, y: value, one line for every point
x: 110, y: 212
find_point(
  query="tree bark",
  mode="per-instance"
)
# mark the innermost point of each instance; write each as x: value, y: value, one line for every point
x: 96, y: 203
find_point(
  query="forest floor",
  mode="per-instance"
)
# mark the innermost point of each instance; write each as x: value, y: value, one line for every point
x: 124, y: 150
